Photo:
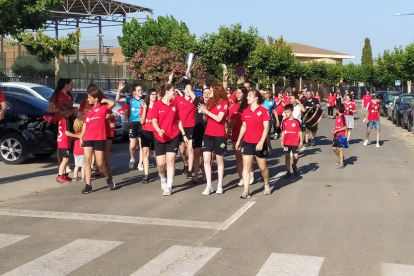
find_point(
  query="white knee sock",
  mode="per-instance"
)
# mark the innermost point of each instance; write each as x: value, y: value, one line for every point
x: 162, y: 176
x: 169, y: 183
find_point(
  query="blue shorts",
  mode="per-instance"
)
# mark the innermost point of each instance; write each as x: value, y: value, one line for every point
x: 374, y: 125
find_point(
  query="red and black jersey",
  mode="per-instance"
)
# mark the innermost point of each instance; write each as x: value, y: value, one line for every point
x: 291, y: 129
x: 214, y: 128
x: 167, y: 117
x: 186, y: 111
x: 340, y: 122
x: 349, y: 108
x: 254, y: 123
x: 63, y: 141
x: 95, y: 120
x: 373, y: 111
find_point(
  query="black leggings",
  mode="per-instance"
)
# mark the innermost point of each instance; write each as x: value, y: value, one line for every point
x: 279, y: 129
x: 330, y: 110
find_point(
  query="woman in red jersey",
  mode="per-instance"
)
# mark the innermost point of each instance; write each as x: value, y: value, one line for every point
x: 253, y: 133
x: 279, y: 111
x: 167, y: 128
x: 331, y: 104
x: 93, y: 137
x: 147, y: 135
x: 187, y: 114
x: 235, y: 124
x: 214, y: 139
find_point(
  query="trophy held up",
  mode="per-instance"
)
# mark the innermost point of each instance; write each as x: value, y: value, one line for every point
x: 189, y: 62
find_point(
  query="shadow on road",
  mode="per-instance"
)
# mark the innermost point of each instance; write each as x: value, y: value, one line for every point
x: 355, y: 141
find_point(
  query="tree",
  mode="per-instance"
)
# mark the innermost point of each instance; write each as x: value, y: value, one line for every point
x: 270, y: 61
x: 29, y: 66
x: 408, y: 62
x: 230, y: 46
x: 157, y: 62
x: 166, y: 32
x: 351, y: 74
x: 333, y: 74
x: 366, y: 59
x: 317, y: 71
x: 19, y: 16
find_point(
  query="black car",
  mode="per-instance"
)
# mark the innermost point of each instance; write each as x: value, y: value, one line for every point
x: 400, y: 105
x: 407, y: 118
x: 386, y: 100
x: 27, y: 128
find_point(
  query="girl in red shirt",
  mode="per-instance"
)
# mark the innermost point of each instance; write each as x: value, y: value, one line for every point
x: 93, y: 138
x: 78, y: 152
x: 331, y: 104
x: 147, y: 134
x: 214, y: 138
x: 167, y: 129
x: 279, y: 100
x: 253, y: 132
x: 235, y: 124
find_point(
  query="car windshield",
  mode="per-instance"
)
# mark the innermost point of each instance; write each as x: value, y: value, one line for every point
x: 44, y: 91
x: 406, y: 100
x: 389, y: 98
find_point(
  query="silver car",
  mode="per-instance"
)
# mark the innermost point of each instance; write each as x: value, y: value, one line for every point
x: 32, y: 89
x: 390, y: 106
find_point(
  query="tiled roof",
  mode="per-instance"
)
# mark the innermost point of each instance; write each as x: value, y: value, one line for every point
x: 298, y: 48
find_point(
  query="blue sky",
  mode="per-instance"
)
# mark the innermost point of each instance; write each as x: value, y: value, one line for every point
x: 334, y: 25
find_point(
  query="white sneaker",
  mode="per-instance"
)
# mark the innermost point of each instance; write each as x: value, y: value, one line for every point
x: 208, y: 190
x: 163, y: 184
x: 251, y: 178
x: 241, y: 183
x: 219, y: 190
x: 366, y: 142
x: 364, y: 120
x: 378, y: 145
x: 140, y: 167
x: 167, y: 192
x: 68, y: 170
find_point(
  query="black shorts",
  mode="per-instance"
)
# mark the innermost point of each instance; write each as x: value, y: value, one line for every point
x: 198, y: 133
x: 290, y: 149
x: 64, y: 153
x: 250, y: 149
x: 218, y: 144
x: 110, y: 138
x: 313, y: 129
x: 170, y: 146
x: 97, y: 145
x: 134, y: 129
x: 336, y: 144
x: 147, y: 139
x: 188, y: 133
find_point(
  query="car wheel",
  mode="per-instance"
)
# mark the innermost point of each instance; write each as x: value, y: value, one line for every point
x: 43, y: 155
x: 13, y: 149
x: 397, y: 121
x: 409, y: 127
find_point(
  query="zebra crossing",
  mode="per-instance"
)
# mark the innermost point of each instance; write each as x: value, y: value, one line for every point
x: 174, y: 261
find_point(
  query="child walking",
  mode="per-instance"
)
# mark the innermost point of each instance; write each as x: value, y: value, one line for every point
x: 339, y: 130
x: 78, y: 152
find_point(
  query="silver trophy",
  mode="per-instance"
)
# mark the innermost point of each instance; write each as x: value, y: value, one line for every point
x: 189, y: 62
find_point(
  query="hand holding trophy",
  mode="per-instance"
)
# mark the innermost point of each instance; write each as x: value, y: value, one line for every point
x: 189, y: 62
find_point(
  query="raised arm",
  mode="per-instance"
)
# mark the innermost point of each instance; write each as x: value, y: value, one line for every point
x: 110, y: 103
x: 121, y: 85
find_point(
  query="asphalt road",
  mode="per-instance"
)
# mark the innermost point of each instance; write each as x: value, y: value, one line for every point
x: 327, y: 222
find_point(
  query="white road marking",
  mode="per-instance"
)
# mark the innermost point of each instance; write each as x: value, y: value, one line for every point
x: 178, y: 261
x: 237, y: 215
x: 272, y: 180
x: 7, y: 239
x: 397, y: 270
x: 65, y: 259
x: 291, y: 265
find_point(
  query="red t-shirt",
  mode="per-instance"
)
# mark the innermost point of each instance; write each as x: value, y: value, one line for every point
x: 254, y: 123
x: 167, y: 116
x: 235, y: 115
x: 217, y: 128
x: 340, y: 122
x: 331, y: 100
x: 291, y: 129
x: 317, y: 97
x: 77, y: 149
x: 286, y: 100
x: 349, y: 107
x: 279, y: 106
x: 63, y: 141
x: 366, y: 99
x: 1, y: 96
x: 82, y: 106
x: 147, y: 126
x: 186, y: 111
x: 233, y: 97
x: 373, y: 111
x: 61, y: 98
x: 95, y: 121
x: 110, y: 131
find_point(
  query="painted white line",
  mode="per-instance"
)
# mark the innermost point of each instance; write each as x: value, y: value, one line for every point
x: 397, y: 270
x: 236, y: 215
x: 178, y: 261
x: 291, y: 265
x: 110, y: 218
x: 7, y: 239
x: 275, y: 178
x: 65, y: 259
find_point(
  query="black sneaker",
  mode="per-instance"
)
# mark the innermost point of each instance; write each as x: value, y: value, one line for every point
x: 87, y: 189
x: 185, y: 170
x: 288, y: 175
x: 146, y: 179
x: 312, y: 142
x: 189, y: 175
x: 111, y: 183
x: 306, y: 145
x: 295, y: 170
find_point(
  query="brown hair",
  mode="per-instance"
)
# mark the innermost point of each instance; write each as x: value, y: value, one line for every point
x: 270, y: 93
x: 164, y: 88
x: 95, y: 92
x: 219, y: 95
x: 258, y: 95
x: 65, y: 110
x: 62, y: 82
x: 78, y: 125
x: 133, y: 89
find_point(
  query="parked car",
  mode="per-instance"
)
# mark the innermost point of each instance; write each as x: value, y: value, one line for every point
x: 24, y: 88
x: 389, y: 108
x: 121, y: 127
x: 26, y: 129
x: 407, y: 118
x: 386, y: 100
x: 400, y: 105
x: 198, y: 92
